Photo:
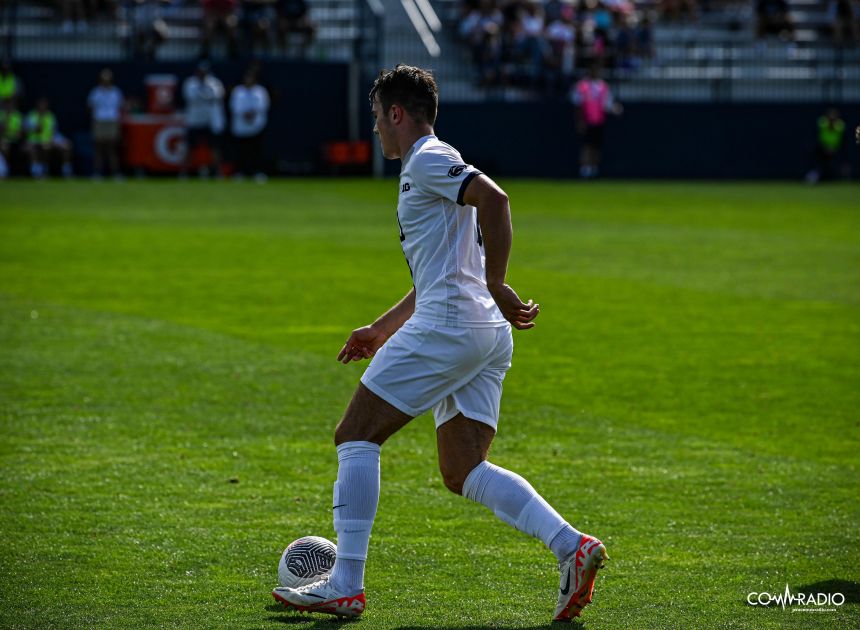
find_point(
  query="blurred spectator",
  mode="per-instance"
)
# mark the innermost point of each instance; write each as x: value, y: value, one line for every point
x: 633, y: 40
x: 526, y: 42
x: 293, y: 18
x: 204, y: 115
x: 645, y: 37
x: 147, y: 26
x: 10, y: 85
x: 11, y: 128
x: 562, y: 36
x: 677, y: 10
x: 75, y: 14
x: 774, y: 18
x: 844, y: 19
x: 220, y: 16
x: 258, y: 17
x: 534, y: 47
x: 625, y: 42
x: 249, y: 113
x: 552, y: 10
x: 106, y: 104
x: 595, y: 23
x: 481, y: 30
x: 593, y: 100
x: 831, y: 132
x: 44, y: 140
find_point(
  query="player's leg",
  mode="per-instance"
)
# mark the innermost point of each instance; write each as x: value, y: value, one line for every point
x: 367, y: 423
x: 463, y: 446
x: 113, y: 151
x: 466, y: 421
x: 584, y: 161
x: 98, y: 159
x: 64, y: 146
x: 413, y: 370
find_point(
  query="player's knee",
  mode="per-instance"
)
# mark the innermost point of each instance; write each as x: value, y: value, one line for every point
x: 350, y: 430
x: 347, y: 432
x: 453, y: 477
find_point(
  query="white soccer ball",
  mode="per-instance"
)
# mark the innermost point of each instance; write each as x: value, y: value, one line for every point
x: 306, y: 561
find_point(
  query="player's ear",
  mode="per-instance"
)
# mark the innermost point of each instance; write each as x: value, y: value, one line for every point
x: 395, y: 114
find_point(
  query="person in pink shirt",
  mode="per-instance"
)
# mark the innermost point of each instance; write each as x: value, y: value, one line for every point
x: 593, y: 100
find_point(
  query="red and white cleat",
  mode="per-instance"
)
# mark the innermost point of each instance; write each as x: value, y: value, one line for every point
x: 577, y: 578
x: 321, y: 597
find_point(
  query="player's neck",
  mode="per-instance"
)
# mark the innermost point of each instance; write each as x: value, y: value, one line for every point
x: 412, y: 136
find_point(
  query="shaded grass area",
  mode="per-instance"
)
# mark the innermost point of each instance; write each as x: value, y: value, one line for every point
x: 169, y: 391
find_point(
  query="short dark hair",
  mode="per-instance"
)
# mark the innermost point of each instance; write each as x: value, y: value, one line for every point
x: 414, y: 89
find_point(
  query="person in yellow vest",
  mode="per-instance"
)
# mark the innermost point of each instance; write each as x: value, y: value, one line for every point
x: 44, y: 139
x: 831, y: 131
x: 10, y: 85
x: 11, y: 129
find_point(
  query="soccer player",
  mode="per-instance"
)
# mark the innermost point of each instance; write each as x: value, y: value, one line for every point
x: 445, y: 346
x: 593, y: 100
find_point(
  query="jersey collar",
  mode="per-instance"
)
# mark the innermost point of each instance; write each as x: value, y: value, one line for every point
x: 418, y: 144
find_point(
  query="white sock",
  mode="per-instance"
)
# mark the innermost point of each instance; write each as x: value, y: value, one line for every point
x: 356, y: 494
x: 514, y: 501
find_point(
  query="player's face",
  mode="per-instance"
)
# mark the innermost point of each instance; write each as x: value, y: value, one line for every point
x: 383, y: 128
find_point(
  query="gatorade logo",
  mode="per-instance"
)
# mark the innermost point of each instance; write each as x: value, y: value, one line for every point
x: 170, y: 145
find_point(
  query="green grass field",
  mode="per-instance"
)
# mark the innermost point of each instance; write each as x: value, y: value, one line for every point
x: 169, y: 392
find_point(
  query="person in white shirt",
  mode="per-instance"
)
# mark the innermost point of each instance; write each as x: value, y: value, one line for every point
x: 105, y: 103
x: 249, y: 114
x: 203, y: 93
x: 445, y: 346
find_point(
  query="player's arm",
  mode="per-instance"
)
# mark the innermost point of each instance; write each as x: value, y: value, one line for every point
x: 365, y: 341
x: 494, y: 217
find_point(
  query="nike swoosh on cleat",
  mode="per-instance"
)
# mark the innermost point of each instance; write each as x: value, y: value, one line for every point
x: 566, y: 588
x: 314, y: 595
x: 337, y: 506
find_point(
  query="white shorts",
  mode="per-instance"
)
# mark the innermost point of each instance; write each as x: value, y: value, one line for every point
x: 451, y: 370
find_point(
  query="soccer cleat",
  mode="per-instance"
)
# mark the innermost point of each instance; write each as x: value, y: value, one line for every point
x: 321, y: 597
x: 577, y: 578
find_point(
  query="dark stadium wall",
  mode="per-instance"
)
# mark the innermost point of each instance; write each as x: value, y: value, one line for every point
x: 651, y: 140
x: 703, y: 141
x: 308, y: 102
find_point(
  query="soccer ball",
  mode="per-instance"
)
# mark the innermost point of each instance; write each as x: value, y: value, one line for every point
x: 306, y: 561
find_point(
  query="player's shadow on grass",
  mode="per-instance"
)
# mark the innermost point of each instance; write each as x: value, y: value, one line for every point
x: 851, y: 590
x: 312, y: 621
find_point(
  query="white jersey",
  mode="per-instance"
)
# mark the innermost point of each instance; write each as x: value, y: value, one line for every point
x: 204, y: 103
x: 249, y: 108
x: 105, y: 102
x: 441, y: 239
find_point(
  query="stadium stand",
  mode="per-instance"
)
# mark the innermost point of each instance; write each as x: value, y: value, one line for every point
x: 37, y: 33
x: 714, y: 55
x: 710, y: 55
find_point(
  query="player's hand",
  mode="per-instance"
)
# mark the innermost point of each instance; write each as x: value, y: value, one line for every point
x: 520, y: 314
x: 362, y: 344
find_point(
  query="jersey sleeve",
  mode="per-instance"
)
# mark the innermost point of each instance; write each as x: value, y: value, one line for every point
x: 443, y: 173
